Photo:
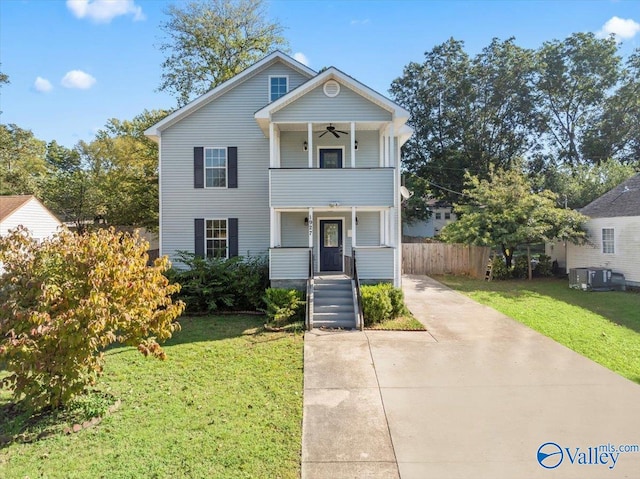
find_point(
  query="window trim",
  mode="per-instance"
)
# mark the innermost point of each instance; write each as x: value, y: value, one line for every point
x: 226, y: 167
x: 612, y: 241
x: 207, y: 238
x: 286, y: 77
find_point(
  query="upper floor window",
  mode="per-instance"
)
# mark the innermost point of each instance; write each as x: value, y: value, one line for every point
x: 215, y: 167
x: 216, y: 238
x: 438, y: 216
x: 607, y: 240
x: 278, y: 86
x: 447, y: 216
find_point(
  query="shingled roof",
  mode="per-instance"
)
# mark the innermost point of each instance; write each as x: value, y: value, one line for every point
x: 8, y: 204
x: 623, y: 200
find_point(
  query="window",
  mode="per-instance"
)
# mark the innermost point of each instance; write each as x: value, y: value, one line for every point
x: 447, y: 216
x: 215, y: 167
x: 607, y: 241
x: 438, y: 216
x: 277, y: 87
x: 216, y: 238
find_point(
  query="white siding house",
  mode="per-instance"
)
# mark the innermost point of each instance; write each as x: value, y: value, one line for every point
x: 27, y: 211
x: 285, y: 162
x: 614, y: 233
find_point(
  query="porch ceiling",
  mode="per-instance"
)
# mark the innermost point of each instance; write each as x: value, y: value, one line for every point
x: 319, y: 127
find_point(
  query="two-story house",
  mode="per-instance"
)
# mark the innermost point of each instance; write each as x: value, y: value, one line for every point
x: 284, y: 161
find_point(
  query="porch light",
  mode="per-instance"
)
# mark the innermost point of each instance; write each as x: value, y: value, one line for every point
x: 305, y: 147
x: 306, y: 219
x: 356, y: 145
x: 356, y: 221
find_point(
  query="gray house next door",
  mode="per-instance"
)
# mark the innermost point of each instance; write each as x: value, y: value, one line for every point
x: 330, y: 245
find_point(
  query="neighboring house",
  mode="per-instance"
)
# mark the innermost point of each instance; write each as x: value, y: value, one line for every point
x: 284, y: 161
x: 27, y: 211
x: 614, y: 233
x: 441, y: 215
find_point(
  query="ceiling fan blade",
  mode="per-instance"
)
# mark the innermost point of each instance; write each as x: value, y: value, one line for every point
x: 334, y: 133
x: 322, y: 134
x: 343, y: 132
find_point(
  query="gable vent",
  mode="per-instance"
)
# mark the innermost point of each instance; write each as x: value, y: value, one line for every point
x: 331, y: 88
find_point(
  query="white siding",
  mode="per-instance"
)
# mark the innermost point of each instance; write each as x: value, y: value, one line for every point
x: 625, y: 260
x: 319, y: 187
x: 294, y: 232
x: 347, y: 106
x: 292, y: 155
x: 40, y: 222
x: 375, y: 263
x: 288, y: 263
x: 368, y: 228
x: 226, y: 121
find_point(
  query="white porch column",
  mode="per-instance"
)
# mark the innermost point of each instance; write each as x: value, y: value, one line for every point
x: 353, y: 227
x: 310, y: 146
x: 272, y: 146
x: 272, y: 228
x: 353, y: 144
x: 381, y: 135
x: 392, y: 150
x: 310, y: 227
x: 382, y: 228
x: 278, y: 228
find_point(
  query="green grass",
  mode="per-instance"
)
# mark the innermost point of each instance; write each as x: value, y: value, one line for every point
x: 603, y: 326
x: 403, y: 323
x: 227, y: 403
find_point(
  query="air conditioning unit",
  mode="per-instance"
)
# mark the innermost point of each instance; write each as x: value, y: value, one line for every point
x: 590, y: 279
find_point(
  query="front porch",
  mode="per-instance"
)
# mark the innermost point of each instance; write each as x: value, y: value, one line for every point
x: 312, y: 242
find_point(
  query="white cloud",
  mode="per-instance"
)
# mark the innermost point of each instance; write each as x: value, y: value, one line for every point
x: 301, y: 57
x: 42, y: 85
x: 623, y: 28
x: 103, y: 11
x: 78, y: 79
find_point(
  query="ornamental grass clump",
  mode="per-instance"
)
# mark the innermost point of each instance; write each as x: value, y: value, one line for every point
x: 66, y: 299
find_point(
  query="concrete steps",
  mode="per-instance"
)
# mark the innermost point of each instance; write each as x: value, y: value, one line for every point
x: 333, y: 303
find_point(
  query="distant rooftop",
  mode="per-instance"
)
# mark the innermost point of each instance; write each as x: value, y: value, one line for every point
x: 623, y: 200
x: 8, y: 204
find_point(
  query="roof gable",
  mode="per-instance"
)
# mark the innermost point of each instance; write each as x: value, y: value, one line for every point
x: 623, y: 200
x: 398, y: 113
x: 10, y: 204
x: 277, y: 56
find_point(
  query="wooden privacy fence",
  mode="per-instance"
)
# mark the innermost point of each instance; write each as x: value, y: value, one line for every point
x: 440, y: 258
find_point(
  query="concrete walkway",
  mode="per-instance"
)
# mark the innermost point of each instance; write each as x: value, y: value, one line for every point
x: 474, y: 397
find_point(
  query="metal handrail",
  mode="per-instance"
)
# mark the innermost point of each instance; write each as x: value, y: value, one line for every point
x: 356, y: 280
x: 309, y: 311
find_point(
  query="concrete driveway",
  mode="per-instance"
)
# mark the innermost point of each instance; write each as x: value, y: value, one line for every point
x: 474, y: 397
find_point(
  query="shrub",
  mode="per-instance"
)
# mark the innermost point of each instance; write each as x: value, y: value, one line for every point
x: 212, y: 284
x: 283, y: 305
x: 544, y: 266
x: 500, y: 270
x: 66, y: 299
x: 520, y: 267
x: 382, y: 302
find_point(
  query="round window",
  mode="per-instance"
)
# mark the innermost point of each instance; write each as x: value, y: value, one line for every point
x: 331, y: 88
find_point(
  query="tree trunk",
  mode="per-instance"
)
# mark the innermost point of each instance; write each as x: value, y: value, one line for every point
x: 508, y: 256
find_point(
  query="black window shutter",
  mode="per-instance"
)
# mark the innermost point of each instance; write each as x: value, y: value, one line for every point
x: 198, y: 167
x: 233, y: 237
x: 199, y: 237
x: 232, y: 158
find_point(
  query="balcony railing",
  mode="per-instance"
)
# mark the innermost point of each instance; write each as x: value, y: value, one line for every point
x: 322, y: 187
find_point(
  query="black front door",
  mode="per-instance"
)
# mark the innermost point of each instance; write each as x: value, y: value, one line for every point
x: 330, y: 245
x: 330, y: 158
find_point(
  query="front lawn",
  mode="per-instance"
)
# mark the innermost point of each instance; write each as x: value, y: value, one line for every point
x: 603, y: 326
x: 227, y: 403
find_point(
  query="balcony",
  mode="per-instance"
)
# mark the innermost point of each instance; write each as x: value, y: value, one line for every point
x: 322, y: 187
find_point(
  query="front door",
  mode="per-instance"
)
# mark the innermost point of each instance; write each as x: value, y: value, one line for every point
x: 330, y: 245
x: 330, y: 157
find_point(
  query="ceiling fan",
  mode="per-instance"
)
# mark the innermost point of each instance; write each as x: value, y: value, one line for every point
x: 332, y: 129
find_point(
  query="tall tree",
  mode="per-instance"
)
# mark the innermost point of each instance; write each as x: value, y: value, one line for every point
x: 22, y: 161
x: 467, y: 113
x: 210, y: 41
x: 573, y: 80
x: 503, y: 211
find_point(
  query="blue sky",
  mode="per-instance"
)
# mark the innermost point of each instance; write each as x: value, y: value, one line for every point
x: 75, y: 64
